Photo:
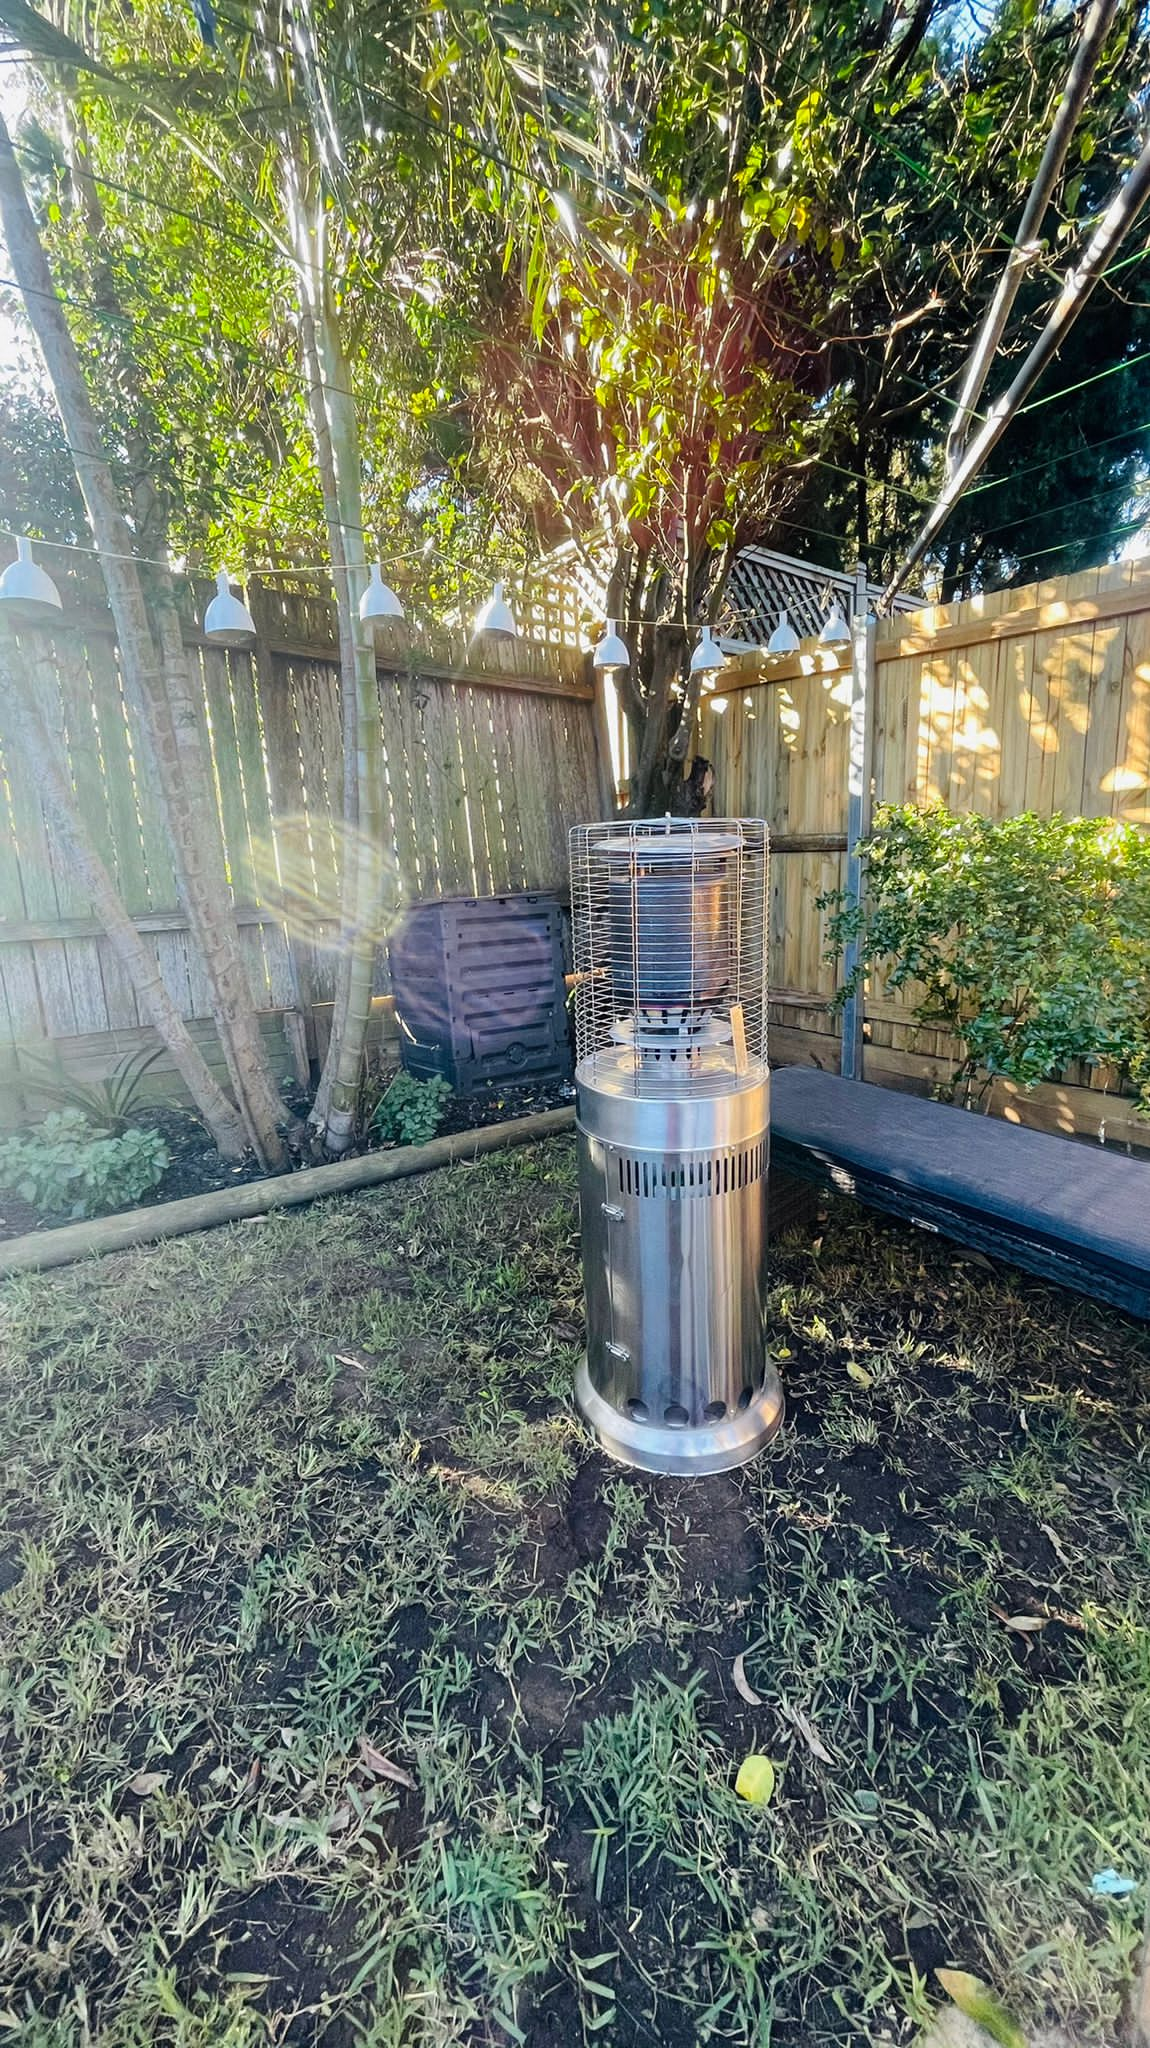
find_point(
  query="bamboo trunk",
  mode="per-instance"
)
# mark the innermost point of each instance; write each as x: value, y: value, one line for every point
x: 337, y: 448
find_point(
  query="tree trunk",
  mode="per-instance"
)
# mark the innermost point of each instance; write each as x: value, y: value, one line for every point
x: 170, y: 721
x: 657, y: 770
x: 53, y: 783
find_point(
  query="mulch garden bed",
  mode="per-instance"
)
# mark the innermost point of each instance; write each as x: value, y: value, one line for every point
x: 196, y: 1167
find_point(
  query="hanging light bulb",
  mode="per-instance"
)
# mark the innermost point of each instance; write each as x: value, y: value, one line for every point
x: 835, y: 632
x: 379, y: 601
x: 708, y: 655
x: 227, y: 620
x: 27, y: 588
x: 784, y: 639
x: 612, y: 652
x: 497, y: 617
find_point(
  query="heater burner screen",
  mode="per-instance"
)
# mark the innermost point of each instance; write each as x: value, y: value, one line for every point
x: 669, y: 924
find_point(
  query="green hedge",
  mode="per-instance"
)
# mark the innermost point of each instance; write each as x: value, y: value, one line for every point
x: 1030, y: 938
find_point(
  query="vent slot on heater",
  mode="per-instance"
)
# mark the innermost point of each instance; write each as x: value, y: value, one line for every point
x: 724, y: 1174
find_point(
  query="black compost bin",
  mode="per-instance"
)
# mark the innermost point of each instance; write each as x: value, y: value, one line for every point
x: 479, y: 989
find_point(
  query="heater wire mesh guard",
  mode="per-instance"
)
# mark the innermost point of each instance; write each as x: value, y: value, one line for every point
x: 669, y: 923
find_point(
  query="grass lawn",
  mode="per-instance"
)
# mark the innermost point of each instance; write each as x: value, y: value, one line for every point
x: 348, y: 1696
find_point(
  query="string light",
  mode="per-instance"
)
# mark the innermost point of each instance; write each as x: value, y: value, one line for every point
x: 227, y: 619
x: 784, y: 639
x: 379, y: 600
x: 496, y: 617
x: 612, y: 651
x: 27, y: 588
x: 496, y: 609
x: 708, y: 655
x: 835, y: 631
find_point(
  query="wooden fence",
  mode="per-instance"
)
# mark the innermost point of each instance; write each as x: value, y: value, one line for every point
x: 1028, y: 699
x: 491, y: 754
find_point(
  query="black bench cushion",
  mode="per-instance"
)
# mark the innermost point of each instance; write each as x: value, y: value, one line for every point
x: 1092, y: 1205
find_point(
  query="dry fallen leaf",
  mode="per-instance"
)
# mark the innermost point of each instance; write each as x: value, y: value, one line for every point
x: 1052, y: 1538
x: 146, y: 1782
x: 969, y: 1257
x: 248, y: 1788
x: 742, y: 1687
x: 1025, y: 1624
x: 807, y: 1730
x: 382, y: 1766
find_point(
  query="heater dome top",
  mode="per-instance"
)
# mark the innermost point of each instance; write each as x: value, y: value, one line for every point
x: 654, y: 842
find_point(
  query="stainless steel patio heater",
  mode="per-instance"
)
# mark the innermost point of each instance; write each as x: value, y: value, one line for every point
x: 669, y: 920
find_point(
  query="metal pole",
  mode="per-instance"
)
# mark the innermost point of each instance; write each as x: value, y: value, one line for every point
x: 1026, y: 246
x: 860, y: 775
x: 1115, y: 224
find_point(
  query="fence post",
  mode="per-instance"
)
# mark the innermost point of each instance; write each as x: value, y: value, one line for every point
x: 859, y: 778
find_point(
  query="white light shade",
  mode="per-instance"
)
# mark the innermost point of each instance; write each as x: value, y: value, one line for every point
x: 612, y: 652
x: 27, y: 588
x: 708, y: 654
x: 497, y: 617
x: 784, y: 639
x: 835, y: 632
x: 227, y: 619
x: 379, y: 601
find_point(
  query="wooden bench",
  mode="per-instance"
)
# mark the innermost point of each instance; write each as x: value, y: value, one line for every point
x: 1073, y: 1214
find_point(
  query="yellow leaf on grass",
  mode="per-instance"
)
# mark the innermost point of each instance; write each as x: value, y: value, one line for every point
x: 756, y: 1780
x: 979, y: 2003
x: 859, y: 1373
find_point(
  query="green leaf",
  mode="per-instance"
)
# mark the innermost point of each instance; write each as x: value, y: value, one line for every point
x: 979, y: 2003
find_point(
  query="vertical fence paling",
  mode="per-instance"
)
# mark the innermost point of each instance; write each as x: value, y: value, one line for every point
x: 490, y: 757
x: 1036, y: 698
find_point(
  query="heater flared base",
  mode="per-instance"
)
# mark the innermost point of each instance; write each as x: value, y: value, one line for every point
x: 657, y: 1447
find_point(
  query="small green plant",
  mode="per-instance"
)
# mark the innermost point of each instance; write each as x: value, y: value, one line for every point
x: 1026, y: 938
x: 108, y: 1104
x: 411, y: 1111
x: 66, y: 1167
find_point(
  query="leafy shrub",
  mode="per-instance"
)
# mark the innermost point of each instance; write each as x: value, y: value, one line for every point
x: 1028, y: 939
x: 64, y: 1167
x: 109, y: 1104
x: 411, y: 1111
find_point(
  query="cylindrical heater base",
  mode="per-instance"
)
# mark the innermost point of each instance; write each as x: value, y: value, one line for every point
x: 673, y: 1195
